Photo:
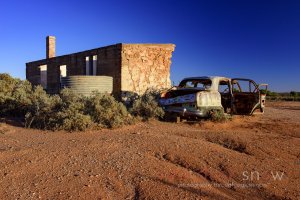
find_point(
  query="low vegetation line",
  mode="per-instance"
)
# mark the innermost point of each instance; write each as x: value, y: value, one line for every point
x: 70, y: 111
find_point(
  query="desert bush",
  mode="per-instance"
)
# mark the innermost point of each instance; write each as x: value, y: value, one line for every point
x: 14, y: 96
x: 41, y: 109
x: 71, y: 115
x: 105, y: 111
x: 58, y: 112
x: 218, y: 115
x: 146, y: 106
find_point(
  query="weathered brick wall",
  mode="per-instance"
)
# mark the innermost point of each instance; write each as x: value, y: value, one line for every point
x: 50, y: 47
x: 33, y: 73
x: 108, y: 64
x: 145, y: 66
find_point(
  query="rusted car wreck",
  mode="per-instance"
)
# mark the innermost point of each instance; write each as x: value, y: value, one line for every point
x: 198, y: 97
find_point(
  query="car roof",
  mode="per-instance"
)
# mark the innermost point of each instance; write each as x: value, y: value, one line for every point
x: 207, y: 77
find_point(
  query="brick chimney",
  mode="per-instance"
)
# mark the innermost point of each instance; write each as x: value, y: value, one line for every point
x: 50, y: 47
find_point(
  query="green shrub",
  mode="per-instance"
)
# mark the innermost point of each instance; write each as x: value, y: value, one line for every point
x: 14, y: 96
x: 146, y: 106
x: 63, y: 112
x: 218, y: 115
x: 40, y: 110
x: 71, y: 115
x: 106, y: 111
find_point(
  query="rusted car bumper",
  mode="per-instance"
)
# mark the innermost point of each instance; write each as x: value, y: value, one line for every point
x: 185, y: 112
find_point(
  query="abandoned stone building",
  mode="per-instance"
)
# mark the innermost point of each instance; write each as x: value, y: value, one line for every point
x: 129, y: 68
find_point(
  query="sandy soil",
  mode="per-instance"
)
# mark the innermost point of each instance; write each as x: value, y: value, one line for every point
x: 158, y: 160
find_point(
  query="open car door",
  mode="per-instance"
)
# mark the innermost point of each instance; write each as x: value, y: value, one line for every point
x: 247, y: 96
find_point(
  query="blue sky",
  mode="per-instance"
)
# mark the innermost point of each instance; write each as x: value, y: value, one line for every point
x: 252, y: 39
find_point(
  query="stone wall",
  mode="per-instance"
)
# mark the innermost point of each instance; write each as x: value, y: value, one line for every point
x: 145, y: 66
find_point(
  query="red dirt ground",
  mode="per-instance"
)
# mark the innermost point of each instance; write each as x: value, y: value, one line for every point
x: 158, y: 160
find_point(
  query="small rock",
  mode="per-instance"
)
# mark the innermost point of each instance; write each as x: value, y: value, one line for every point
x: 137, y: 133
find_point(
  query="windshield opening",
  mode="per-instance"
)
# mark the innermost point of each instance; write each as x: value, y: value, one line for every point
x: 203, y: 84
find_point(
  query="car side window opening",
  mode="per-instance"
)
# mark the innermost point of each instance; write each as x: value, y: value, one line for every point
x: 244, y: 86
x: 252, y: 87
x: 224, y: 87
x: 236, y: 87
